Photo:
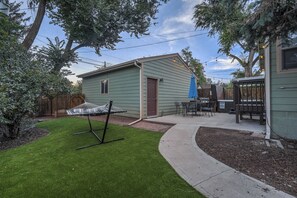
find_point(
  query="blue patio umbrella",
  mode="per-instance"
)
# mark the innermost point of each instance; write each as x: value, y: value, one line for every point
x: 193, y: 88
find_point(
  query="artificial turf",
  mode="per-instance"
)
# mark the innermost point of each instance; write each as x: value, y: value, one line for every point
x: 51, y: 167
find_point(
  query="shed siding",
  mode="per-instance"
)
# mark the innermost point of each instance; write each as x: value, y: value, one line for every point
x: 175, y: 85
x: 123, y: 89
x: 283, y: 101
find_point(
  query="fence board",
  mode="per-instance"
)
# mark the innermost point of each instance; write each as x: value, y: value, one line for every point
x: 58, y: 105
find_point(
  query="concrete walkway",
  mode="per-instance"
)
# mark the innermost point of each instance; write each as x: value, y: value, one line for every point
x: 209, y: 176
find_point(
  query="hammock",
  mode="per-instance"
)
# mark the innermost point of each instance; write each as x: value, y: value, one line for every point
x: 90, y: 109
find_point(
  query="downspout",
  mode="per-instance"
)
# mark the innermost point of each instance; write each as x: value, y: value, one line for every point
x: 267, y: 92
x: 140, y: 94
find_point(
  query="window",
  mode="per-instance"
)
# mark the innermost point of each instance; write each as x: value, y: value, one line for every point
x: 104, y: 86
x: 286, y: 54
x: 289, y: 58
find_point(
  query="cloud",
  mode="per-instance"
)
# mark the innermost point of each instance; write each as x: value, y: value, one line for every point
x: 178, y: 24
x: 180, y: 21
x: 223, y: 64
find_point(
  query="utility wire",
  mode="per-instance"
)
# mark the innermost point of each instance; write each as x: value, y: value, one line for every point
x: 82, y: 61
x: 89, y: 63
x: 149, y: 44
x: 152, y: 35
x: 114, y: 57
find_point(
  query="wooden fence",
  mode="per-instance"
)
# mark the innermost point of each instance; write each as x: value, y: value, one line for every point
x: 58, y: 105
x: 216, y: 92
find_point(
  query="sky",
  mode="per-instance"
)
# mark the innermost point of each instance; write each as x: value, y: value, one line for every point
x: 174, y: 21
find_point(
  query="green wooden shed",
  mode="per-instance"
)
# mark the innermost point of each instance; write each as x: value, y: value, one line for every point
x: 281, y: 89
x: 145, y: 87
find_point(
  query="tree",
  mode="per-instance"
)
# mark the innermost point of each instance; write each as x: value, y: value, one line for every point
x: 238, y: 73
x: 53, y: 54
x: 22, y: 77
x: 77, y: 87
x: 226, y: 22
x: 268, y: 20
x: 194, y: 64
x: 93, y: 23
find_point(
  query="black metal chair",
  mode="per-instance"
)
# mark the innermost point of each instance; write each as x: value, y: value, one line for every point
x: 185, y: 108
x: 208, y: 106
x: 192, y: 107
x: 178, y: 108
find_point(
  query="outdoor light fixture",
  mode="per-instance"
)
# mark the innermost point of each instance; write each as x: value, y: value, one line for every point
x: 161, y: 80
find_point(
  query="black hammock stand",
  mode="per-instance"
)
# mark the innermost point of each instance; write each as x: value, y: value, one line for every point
x: 89, y: 109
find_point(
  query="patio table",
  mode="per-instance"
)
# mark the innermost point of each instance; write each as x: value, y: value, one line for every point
x: 191, y: 106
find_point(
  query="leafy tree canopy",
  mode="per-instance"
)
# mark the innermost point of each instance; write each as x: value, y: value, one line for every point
x: 93, y: 23
x: 24, y: 77
x: 268, y: 19
x: 194, y: 64
x: 98, y: 24
x: 219, y: 19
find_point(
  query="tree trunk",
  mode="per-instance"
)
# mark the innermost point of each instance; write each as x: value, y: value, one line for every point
x: 29, y: 39
x: 248, y: 71
x: 12, y: 130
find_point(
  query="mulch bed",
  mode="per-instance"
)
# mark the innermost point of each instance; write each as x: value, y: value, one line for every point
x: 26, y: 137
x: 251, y: 155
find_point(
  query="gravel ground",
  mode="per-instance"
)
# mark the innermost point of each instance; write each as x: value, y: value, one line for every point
x: 253, y: 156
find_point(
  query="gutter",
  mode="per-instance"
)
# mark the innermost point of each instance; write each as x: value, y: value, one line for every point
x: 267, y: 92
x: 140, y: 93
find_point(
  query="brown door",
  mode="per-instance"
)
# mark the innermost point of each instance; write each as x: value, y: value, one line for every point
x: 151, y: 97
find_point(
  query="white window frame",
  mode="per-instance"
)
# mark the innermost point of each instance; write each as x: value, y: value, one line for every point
x: 279, y: 58
x: 104, y: 91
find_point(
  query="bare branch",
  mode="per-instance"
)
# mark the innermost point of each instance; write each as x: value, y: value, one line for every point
x: 238, y: 59
x: 255, y: 60
x: 78, y: 46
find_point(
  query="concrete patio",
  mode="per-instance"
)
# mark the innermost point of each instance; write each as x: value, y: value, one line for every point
x: 219, y: 120
x: 209, y: 176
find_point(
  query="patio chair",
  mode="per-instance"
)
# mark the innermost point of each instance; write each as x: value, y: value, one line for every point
x: 185, y: 106
x: 208, y: 107
x: 192, y: 107
x: 178, y: 107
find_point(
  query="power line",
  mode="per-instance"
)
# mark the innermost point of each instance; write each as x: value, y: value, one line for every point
x: 89, y: 63
x: 91, y: 59
x: 136, y: 46
x: 152, y: 35
x: 216, y: 58
x: 114, y: 57
x: 156, y: 43
x: 41, y: 40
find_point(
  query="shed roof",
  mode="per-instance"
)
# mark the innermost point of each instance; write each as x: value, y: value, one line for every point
x: 129, y: 64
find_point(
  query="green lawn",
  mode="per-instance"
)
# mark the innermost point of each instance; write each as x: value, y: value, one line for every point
x: 51, y: 167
